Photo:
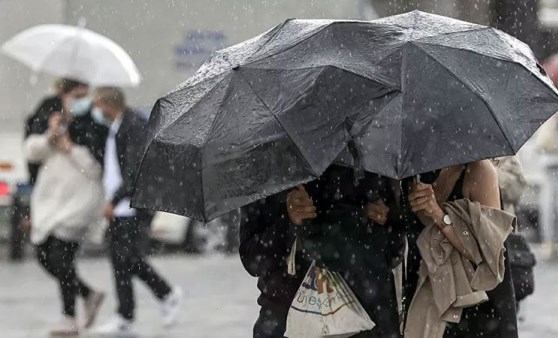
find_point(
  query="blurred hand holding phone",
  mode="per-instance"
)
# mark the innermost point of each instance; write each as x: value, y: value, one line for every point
x: 57, y: 125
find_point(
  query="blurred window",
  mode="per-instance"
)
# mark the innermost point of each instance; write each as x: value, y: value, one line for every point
x: 548, y: 12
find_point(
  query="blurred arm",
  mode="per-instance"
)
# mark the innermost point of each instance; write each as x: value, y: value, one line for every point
x: 511, y: 180
x: 131, y: 154
x: 266, y: 236
x: 37, y: 148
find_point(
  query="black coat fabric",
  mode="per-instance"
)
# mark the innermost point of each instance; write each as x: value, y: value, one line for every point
x: 37, y: 123
x: 365, y: 248
x: 83, y: 131
x: 130, y: 143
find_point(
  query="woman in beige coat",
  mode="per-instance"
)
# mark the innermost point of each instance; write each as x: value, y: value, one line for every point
x: 471, y: 187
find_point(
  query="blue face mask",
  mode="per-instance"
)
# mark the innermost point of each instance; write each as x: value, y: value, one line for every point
x: 80, y: 106
x: 98, y: 116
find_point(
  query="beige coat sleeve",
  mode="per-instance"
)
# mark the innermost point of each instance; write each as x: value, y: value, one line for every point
x: 36, y: 148
x: 482, y: 230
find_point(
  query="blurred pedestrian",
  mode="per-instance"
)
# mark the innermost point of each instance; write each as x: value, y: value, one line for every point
x: 67, y: 199
x: 128, y: 227
x: 547, y: 135
x: 522, y: 260
x: 442, y: 228
x: 71, y: 99
x: 511, y: 181
x: 335, y: 212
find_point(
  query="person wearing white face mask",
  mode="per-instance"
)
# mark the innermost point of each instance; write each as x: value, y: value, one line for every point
x: 73, y: 102
x: 68, y: 195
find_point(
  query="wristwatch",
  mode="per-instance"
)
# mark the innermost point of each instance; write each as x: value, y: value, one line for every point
x: 446, y: 221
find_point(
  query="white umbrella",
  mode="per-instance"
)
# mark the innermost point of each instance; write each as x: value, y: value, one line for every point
x: 73, y: 52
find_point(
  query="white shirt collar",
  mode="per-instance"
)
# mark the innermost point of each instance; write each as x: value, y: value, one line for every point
x: 115, y: 125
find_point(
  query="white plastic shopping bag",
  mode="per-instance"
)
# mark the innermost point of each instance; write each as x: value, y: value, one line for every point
x: 325, y: 306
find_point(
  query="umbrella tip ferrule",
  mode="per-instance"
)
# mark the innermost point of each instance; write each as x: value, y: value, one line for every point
x: 237, y: 67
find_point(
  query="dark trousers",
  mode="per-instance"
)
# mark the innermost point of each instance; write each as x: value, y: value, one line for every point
x: 58, y: 259
x: 127, y: 241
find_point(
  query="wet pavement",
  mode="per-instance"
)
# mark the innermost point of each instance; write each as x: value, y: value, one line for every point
x: 220, y: 299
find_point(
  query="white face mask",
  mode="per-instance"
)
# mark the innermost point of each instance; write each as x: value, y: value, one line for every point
x: 98, y: 116
x: 80, y: 106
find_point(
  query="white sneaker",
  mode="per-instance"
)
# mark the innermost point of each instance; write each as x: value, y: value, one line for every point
x: 91, y: 306
x: 117, y: 327
x: 67, y: 327
x: 170, y: 307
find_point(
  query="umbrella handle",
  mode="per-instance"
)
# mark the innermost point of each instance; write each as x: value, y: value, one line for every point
x: 417, y: 179
x: 357, y: 157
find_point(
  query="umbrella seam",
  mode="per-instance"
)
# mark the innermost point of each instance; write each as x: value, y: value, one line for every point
x: 364, y: 127
x: 228, y: 70
x: 450, y: 33
x: 290, y: 47
x: 161, y: 130
x: 29, y: 64
x: 179, y: 87
x: 418, y: 43
x: 475, y: 93
x: 403, y: 88
x: 270, y: 38
x: 40, y: 65
x: 167, y: 125
x: 388, y: 85
x: 483, y: 55
x: 209, y: 131
x: 281, y: 124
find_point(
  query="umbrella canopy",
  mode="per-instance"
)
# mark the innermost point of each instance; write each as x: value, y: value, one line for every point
x: 73, y: 52
x: 412, y: 93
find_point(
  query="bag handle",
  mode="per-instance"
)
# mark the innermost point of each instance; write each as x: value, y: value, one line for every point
x: 291, y: 263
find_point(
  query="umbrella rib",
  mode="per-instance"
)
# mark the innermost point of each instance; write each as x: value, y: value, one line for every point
x: 225, y: 58
x: 473, y: 29
x: 403, y: 91
x: 387, y: 85
x: 277, y: 29
x: 281, y: 124
x: 477, y: 53
x: 40, y: 65
x: 167, y: 125
x: 290, y: 47
x: 475, y: 93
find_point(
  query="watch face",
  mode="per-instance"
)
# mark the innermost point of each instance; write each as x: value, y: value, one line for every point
x: 447, y: 219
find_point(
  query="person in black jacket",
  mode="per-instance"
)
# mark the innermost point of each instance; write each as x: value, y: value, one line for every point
x: 84, y: 126
x: 66, y: 121
x: 128, y: 227
x: 344, y: 226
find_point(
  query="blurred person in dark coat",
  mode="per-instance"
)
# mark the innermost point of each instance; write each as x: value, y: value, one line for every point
x: 85, y: 125
x: 333, y: 212
x: 127, y: 232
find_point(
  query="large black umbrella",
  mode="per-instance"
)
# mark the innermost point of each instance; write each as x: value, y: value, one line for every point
x: 413, y: 93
